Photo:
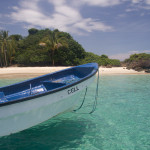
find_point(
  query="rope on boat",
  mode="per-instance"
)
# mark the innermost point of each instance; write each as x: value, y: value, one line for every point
x: 30, y: 89
x: 96, y: 96
x: 82, y: 101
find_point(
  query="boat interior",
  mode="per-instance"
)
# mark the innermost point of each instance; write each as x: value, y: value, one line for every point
x: 43, y: 83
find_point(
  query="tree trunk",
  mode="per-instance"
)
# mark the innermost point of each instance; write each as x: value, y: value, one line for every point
x: 1, y: 62
x: 5, y: 58
x: 53, y: 62
x: 1, y: 65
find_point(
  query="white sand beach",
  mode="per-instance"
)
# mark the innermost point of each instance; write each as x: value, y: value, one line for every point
x: 29, y: 72
x: 119, y: 71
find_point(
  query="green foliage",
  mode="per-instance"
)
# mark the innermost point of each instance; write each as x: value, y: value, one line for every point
x: 33, y: 57
x: 32, y: 31
x: 104, y: 56
x: 102, y: 60
x: 15, y: 37
x: 137, y: 57
x: 91, y: 57
x: 115, y: 62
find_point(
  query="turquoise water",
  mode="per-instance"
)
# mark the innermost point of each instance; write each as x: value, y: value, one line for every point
x: 120, y: 122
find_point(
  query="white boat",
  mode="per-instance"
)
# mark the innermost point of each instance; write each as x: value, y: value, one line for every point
x: 28, y: 103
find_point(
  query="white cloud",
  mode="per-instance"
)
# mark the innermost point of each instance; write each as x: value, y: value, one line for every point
x: 56, y: 2
x: 122, y: 15
x: 90, y: 25
x: 123, y: 56
x: 142, y: 14
x: 65, y: 17
x: 146, y: 51
x: 136, y: 1
x: 148, y: 2
x: 136, y: 5
x: 102, y: 3
x: 28, y: 15
x: 141, y: 1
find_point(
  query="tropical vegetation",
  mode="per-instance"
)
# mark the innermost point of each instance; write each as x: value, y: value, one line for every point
x: 102, y: 60
x: 138, y: 62
x: 46, y: 47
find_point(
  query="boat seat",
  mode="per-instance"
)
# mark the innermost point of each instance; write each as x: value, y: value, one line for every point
x: 38, y: 89
x: 67, y: 79
x: 2, y: 97
x: 52, y: 85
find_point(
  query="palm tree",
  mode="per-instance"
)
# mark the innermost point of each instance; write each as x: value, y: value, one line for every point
x: 12, y: 49
x: 1, y: 64
x: 53, y: 41
x: 1, y: 54
x: 7, y: 48
x: 4, y: 44
x: 1, y: 61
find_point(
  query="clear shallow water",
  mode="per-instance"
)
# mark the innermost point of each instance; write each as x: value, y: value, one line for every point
x: 120, y: 122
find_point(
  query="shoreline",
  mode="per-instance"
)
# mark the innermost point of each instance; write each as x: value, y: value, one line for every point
x: 31, y: 72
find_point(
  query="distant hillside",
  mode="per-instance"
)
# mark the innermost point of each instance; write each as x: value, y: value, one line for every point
x: 138, y: 62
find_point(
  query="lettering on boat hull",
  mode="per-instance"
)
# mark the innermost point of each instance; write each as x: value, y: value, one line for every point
x: 72, y: 90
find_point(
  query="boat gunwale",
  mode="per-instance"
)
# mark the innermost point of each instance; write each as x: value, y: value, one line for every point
x: 95, y: 69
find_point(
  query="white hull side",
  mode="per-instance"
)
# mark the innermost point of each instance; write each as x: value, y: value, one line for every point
x: 19, y: 116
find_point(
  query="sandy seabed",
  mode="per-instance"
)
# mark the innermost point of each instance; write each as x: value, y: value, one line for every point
x: 30, y: 72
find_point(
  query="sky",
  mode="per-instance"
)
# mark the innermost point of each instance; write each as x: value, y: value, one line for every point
x: 117, y: 28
